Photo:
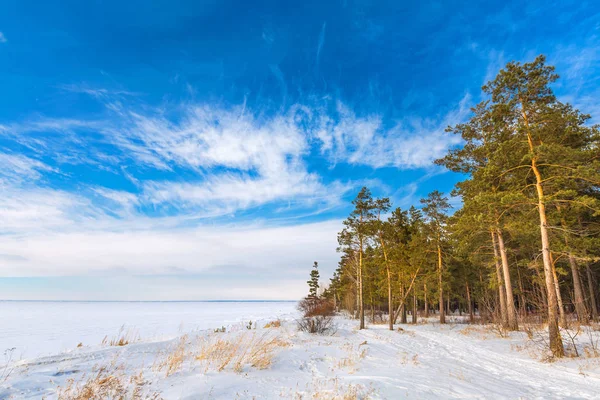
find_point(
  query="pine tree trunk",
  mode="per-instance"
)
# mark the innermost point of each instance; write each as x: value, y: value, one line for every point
x: 562, y: 318
x: 522, y: 302
x: 580, y: 309
x: 501, y: 291
x: 511, y: 312
x: 593, y: 303
x: 471, y: 315
x: 372, y: 311
x: 361, y: 307
x: 414, y: 310
x: 440, y: 287
x: 425, y: 299
x: 556, y: 344
x: 389, y: 284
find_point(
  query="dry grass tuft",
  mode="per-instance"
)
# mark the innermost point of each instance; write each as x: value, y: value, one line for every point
x: 460, y: 375
x: 123, y: 338
x: 174, y: 359
x: 405, y: 332
x: 580, y: 341
x: 355, y: 354
x: 273, y: 324
x: 239, y: 351
x: 405, y: 358
x: 109, y: 382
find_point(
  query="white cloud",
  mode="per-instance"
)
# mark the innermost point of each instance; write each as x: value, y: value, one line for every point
x: 27, y: 210
x: 227, y: 193
x: 232, y: 160
x: 16, y: 168
x: 3, y: 38
x: 414, y: 143
x: 100, y: 93
x: 166, y: 251
x: 206, y: 137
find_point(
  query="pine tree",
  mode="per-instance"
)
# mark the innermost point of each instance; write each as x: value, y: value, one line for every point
x: 313, y: 283
x: 354, y: 237
x: 435, y: 209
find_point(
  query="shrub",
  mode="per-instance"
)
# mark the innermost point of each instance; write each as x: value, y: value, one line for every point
x: 314, y: 306
x: 317, y: 315
x: 320, y: 324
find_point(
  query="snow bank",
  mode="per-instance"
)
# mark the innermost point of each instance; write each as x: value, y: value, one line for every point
x: 421, y: 361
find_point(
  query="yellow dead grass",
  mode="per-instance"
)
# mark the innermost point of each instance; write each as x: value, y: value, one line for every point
x: 238, y: 351
x: 108, y: 382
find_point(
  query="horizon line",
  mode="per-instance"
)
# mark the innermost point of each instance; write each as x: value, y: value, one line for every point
x: 151, y: 301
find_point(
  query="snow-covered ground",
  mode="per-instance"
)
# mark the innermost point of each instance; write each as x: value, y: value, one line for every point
x: 36, y: 328
x: 274, y: 362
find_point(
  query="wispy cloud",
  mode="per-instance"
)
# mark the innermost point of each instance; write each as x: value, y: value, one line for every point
x: 206, y: 137
x: 17, y: 168
x: 228, y: 193
x: 187, y: 163
x: 234, y: 159
x: 3, y: 38
x: 321, y: 42
x: 413, y: 143
x: 97, y: 92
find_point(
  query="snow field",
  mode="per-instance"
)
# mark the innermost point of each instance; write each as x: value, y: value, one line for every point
x: 275, y: 361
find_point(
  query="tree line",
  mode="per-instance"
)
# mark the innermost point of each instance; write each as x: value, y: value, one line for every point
x: 524, y: 242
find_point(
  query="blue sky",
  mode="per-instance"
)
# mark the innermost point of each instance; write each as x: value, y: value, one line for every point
x: 178, y: 150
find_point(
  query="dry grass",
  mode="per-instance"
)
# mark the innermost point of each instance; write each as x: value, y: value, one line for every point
x: 123, y: 338
x: 484, y: 332
x: 273, y: 324
x: 405, y: 332
x: 174, y: 358
x: 406, y: 358
x: 580, y: 341
x: 8, y: 367
x: 239, y: 351
x: 108, y: 383
x: 460, y: 375
x: 355, y: 354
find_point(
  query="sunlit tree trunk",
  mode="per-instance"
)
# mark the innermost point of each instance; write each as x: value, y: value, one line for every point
x: 361, y: 303
x: 594, y: 306
x: 522, y: 301
x: 556, y: 344
x: 440, y: 286
x: 414, y: 310
x: 562, y: 317
x: 511, y: 312
x: 501, y: 291
x: 425, y: 299
x: 471, y: 315
x: 389, y: 283
x: 582, y: 314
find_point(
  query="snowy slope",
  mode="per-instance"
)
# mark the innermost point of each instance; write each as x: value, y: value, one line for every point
x: 421, y: 362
